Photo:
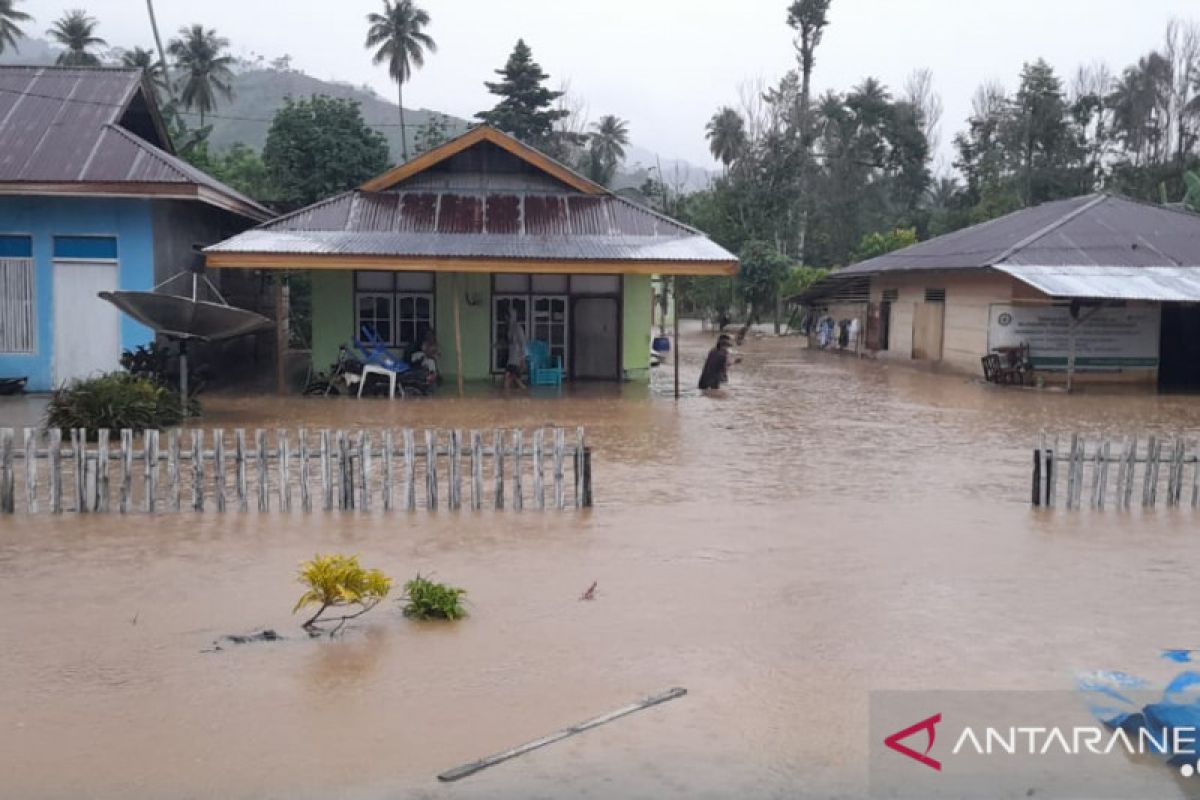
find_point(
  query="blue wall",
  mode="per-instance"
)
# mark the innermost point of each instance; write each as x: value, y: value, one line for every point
x: 43, y: 218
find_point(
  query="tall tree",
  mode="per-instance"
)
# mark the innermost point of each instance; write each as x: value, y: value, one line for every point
x: 148, y: 63
x: 206, y: 68
x: 158, y: 44
x: 76, y: 31
x: 319, y: 147
x: 398, y: 34
x: 726, y: 134
x: 606, y: 148
x: 526, y: 108
x: 10, y: 31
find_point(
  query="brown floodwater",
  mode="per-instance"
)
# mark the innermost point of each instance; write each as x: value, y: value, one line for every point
x: 823, y: 528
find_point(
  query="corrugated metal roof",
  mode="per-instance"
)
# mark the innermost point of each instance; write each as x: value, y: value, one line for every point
x: 61, y: 126
x: 1091, y: 230
x: 458, y: 224
x: 1152, y: 283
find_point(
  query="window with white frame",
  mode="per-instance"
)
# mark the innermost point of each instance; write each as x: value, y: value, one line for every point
x: 396, y: 307
x: 17, y: 326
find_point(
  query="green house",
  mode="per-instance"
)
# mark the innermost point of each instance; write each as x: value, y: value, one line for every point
x: 465, y: 234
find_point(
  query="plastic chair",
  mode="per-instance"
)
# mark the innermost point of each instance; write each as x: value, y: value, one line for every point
x: 543, y: 370
x: 378, y: 360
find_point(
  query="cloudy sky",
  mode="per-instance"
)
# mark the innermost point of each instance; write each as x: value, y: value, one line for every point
x: 665, y: 65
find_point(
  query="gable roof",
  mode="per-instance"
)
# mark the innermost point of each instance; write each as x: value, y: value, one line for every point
x: 96, y: 131
x: 466, y: 209
x: 472, y: 138
x: 1087, y: 231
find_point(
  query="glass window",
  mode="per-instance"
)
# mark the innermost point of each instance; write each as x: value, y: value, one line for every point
x: 414, y: 281
x: 93, y: 248
x: 375, y: 314
x: 595, y: 284
x: 511, y: 284
x: 414, y: 318
x: 16, y: 247
x: 17, y: 323
x: 550, y: 284
x: 375, y: 281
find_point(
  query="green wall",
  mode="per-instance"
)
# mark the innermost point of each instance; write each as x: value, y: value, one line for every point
x: 332, y: 314
x: 635, y: 345
x: 475, y: 310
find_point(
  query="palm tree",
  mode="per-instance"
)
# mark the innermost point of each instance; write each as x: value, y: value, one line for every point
x: 76, y: 32
x: 9, y: 17
x: 399, y: 36
x: 205, y: 68
x: 726, y: 134
x: 606, y: 146
x: 148, y: 63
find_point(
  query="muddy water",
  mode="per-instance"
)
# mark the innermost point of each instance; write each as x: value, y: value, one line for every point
x: 824, y: 528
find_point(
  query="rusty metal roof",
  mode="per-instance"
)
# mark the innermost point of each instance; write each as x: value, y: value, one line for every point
x: 95, y: 131
x: 486, y: 224
x: 1092, y: 230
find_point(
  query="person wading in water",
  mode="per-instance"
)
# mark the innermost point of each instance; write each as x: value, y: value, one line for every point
x: 516, y: 352
x: 716, y: 366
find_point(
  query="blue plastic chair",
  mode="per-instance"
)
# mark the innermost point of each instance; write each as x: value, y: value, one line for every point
x: 543, y: 370
x: 378, y: 360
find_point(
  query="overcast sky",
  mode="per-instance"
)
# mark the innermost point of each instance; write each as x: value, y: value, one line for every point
x: 666, y: 65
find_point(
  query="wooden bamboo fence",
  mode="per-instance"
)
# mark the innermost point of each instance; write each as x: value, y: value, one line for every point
x: 325, y: 470
x: 1120, y: 473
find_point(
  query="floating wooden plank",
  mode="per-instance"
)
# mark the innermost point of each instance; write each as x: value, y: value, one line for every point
x: 490, y: 761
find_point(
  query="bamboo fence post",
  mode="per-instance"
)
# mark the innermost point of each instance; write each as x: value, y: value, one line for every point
x: 364, y: 469
x: 54, y: 479
x: 263, y: 469
x: 1175, y: 492
x: 410, y: 470
x: 1072, y: 475
x: 8, y: 484
x: 1130, y: 473
x: 455, y: 455
x: 498, y: 471
x: 79, y: 454
x: 305, y: 498
x: 326, y: 471
x: 31, y: 471
x: 1053, y: 474
x: 152, y: 489
x: 476, y: 471
x: 239, y: 468
x: 345, y: 478
x: 1148, y: 477
x: 1103, y: 469
x: 1094, y: 500
x: 173, y: 492
x: 219, y: 467
x: 197, y: 469
x: 559, y: 458
x: 518, y: 500
x: 389, y: 445
x: 579, y: 449
x: 1196, y: 479
x: 539, y: 468
x: 126, y: 491
x: 285, y: 470
x: 431, y: 475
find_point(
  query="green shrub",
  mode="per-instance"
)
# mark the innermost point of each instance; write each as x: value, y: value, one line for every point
x: 116, y: 400
x: 424, y: 599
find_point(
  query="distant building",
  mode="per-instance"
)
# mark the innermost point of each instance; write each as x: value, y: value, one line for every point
x: 1117, y: 280
x: 489, y: 226
x: 92, y: 199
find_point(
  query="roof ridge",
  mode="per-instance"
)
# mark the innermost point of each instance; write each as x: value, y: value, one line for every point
x: 1096, y: 199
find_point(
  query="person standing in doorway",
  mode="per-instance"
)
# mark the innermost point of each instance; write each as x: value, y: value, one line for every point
x: 516, y: 352
x: 716, y: 366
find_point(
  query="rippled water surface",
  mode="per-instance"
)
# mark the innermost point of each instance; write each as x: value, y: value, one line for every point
x: 823, y: 528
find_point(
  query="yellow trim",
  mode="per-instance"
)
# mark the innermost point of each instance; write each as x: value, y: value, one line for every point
x: 483, y: 133
x: 414, y: 264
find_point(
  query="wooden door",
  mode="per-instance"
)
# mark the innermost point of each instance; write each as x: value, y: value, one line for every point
x: 928, y: 324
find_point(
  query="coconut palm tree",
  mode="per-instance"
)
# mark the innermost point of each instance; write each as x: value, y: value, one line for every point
x: 726, y: 134
x: 149, y: 64
x: 606, y: 148
x: 76, y: 31
x: 204, y: 66
x: 399, y: 38
x: 9, y: 30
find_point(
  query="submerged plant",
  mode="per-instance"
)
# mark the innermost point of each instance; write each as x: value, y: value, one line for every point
x: 337, y: 582
x: 424, y: 599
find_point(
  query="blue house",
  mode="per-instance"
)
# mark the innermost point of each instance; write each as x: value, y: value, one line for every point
x: 92, y: 199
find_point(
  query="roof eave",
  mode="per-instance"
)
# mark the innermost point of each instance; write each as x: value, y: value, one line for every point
x: 125, y: 189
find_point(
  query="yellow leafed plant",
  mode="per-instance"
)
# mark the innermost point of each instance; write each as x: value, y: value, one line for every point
x: 338, y: 582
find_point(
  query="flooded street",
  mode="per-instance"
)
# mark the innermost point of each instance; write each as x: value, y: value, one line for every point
x: 824, y: 528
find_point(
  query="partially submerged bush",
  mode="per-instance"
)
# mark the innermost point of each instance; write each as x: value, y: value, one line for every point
x: 116, y: 400
x: 424, y: 599
x: 339, y: 582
